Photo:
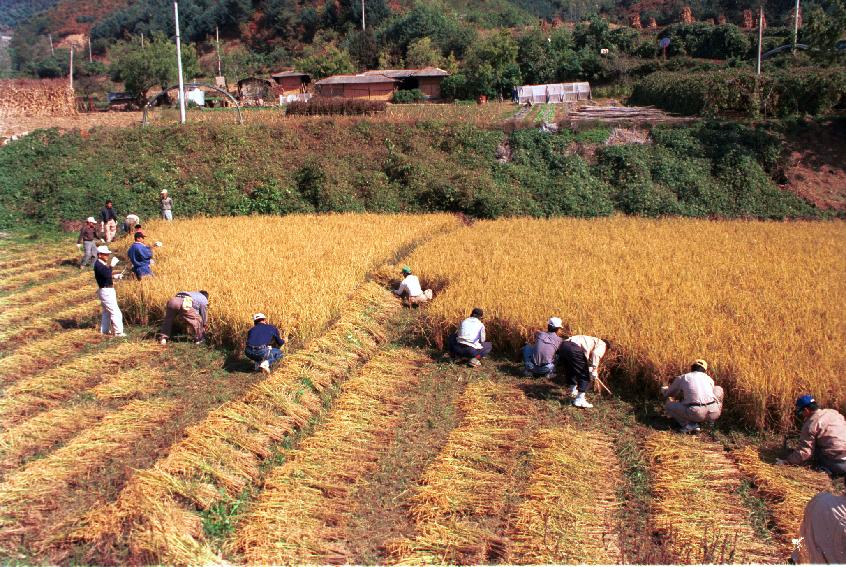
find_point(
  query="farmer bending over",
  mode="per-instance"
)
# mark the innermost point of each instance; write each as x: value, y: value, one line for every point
x: 410, y: 290
x: 822, y: 440
x: 469, y: 341
x: 580, y: 356
x: 262, y: 341
x: 697, y: 398
x: 539, y: 359
x: 190, y: 308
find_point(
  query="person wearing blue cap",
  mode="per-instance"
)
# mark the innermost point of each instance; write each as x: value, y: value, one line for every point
x: 822, y: 439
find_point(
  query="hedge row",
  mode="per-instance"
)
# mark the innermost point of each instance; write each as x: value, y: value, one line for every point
x: 321, y: 106
x: 800, y: 91
x: 698, y: 170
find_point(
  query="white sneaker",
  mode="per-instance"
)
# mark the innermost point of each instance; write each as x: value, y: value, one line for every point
x: 265, y: 367
x: 120, y: 334
x: 581, y: 402
x: 475, y: 362
x: 574, y: 393
x: 163, y: 342
x: 691, y: 428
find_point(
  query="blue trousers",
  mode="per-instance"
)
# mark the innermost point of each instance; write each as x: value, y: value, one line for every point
x: 542, y: 370
x: 262, y: 353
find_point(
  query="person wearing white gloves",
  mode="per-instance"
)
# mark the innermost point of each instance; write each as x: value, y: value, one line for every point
x: 112, y: 319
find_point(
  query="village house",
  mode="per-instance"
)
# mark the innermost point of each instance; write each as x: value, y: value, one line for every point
x: 371, y: 87
x: 428, y: 79
x: 291, y: 81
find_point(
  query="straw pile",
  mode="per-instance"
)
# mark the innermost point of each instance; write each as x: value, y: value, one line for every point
x: 38, y: 293
x: 696, y: 507
x: 46, y: 352
x: 48, y: 389
x: 31, y: 276
x: 131, y: 384
x: 34, y: 500
x: 50, y: 303
x: 36, y: 97
x: 45, y: 430
x: 787, y: 490
x: 301, y: 513
x: 464, y: 490
x: 75, y: 313
x: 569, y: 510
x: 157, y: 517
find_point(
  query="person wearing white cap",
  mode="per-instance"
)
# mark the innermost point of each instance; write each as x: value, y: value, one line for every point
x: 263, y: 341
x: 695, y: 398
x: 539, y: 359
x: 112, y: 319
x: 87, y: 241
x: 167, y: 205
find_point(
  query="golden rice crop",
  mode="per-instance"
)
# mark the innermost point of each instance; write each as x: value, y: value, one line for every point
x: 695, y: 503
x: 44, y: 292
x: 31, y: 276
x: 48, y: 389
x: 467, y: 482
x: 75, y: 313
x: 45, y: 430
x: 42, y: 488
x: 569, y: 510
x: 761, y: 302
x: 52, y: 303
x: 46, y: 352
x: 157, y: 514
x: 301, y: 510
x: 787, y: 490
x: 298, y: 270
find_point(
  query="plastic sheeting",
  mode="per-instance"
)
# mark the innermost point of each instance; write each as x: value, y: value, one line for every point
x: 553, y: 93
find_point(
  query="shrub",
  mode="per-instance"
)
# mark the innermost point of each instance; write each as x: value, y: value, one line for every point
x: 326, y: 105
x: 408, y: 96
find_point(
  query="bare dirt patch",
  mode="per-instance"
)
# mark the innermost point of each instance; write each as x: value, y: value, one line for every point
x: 816, y: 166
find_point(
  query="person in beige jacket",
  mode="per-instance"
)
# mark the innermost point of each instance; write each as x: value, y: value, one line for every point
x: 822, y: 439
x: 696, y: 398
x: 823, y: 532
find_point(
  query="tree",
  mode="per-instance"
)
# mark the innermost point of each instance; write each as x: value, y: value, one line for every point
x: 155, y: 64
x: 325, y: 61
x: 430, y: 19
x: 423, y: 53
x: 491, y: 65
x: 362, y: 47
x: 824, y: 28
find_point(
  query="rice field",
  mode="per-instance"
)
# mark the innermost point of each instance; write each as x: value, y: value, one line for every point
x: 759, y: 301
x: 127, y: 452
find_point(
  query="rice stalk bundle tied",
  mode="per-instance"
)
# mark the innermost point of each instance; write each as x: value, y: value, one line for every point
x: 45, y: 430
x: 787, y: 490
x: 29, y: 277
x: 48, y: 389
x: 696, y: 504
x: 40, y: 489
x: 58, y: 301
x: 223, y: 452
x: 301, y: 513
x: 467, y: 481
x: 45, y: 352
x: 569, y: 510
x: 77, y: 314
x: 45, y: 292
x: 134, y: 383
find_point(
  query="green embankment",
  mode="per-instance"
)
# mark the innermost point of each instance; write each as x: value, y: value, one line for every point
x: 720, y: 169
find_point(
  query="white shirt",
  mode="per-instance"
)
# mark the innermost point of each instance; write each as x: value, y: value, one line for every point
x: 471, y: 332
x: 692, y: 388
x: 411, y: 284
x: 594, y: 350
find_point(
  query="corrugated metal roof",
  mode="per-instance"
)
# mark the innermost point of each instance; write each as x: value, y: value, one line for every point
x: 354, y: 79
x: 290, y: 74
x: 407, y: 73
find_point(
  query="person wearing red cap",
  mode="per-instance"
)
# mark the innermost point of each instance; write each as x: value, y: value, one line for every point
x: 822, y: 439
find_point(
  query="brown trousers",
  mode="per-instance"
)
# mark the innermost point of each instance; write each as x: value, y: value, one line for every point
x: 684, y: 414
x: 190, y: 317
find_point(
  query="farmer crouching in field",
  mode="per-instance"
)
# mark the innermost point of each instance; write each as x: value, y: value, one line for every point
x: 111, y: 320
x: 262, y: 342
x: 108, y: 221
x: 580, y: 356
x: 822, y: 440
x: 189, y: 308
x: 410, y: 290
x: 469, y: 340
x: 88, y: 242
x: 131, y: 223
x: 540, y: 359
x: 823, y: 532
x: 696, y: 397
x: 140, y: 255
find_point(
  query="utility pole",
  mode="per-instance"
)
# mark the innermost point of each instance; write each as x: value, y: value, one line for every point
x: 217, y: 46
x: 179, y: 64
x: 142, y: 40
x: 363, y: 27
x: 50, y: 37
x: 90, y: 59
x: 760, y: 33
x: 70, y: 69
x: 795, y: 27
